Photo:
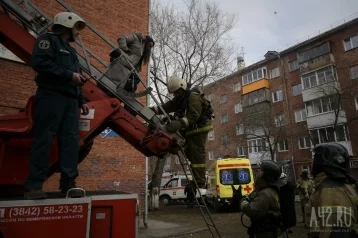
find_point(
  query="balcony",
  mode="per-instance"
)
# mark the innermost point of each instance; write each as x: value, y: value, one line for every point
x: 326, y: 119
x: 316, y: 63
x: 319, y: 91
x: 262, y: 83
x: 260, y: 107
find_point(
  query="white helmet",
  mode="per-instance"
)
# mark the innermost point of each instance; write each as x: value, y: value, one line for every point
x: 69, y: 20
x: 175, y: 83
x: 283, y: 176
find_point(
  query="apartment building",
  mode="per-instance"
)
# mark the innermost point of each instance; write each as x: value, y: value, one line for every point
x: 280, y: 107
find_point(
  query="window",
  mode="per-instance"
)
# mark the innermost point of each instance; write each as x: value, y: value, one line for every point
x: 209, y: 97
x: 224, y: 139
x: 237, y: 87
x: 318, y: 77
x: 239, y: 129
x: 254, y: 76
x: 277, y: 96
x: 211, y: 135
x: 354, y: 72
x: 256, y: 97
x: 282, y: 145
x: 356, y: 102
x: 321, y: 105
x: 234, y: 176
x: 223, y: 99
x: 256, y: 145
x: 300, y: 115
x: 240, y: 151
x: 297, y: 89
x: 304, y: 142
x: 238, y: 108
x: 172, y: 184
x: 279, y: 120
x: 223, y: 118
x: 293, y: 65
x: 211, y: 155
x: 274, y: 73
x: 350, y: 43
x: 324, y: 135
x: 313, y: 52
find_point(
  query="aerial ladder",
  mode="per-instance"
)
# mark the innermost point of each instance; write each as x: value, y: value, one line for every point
x: 94, y: 214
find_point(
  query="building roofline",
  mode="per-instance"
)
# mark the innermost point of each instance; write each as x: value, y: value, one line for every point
x: 288, y: 50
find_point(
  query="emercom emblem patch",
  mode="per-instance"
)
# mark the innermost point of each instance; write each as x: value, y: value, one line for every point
x: 44, y: 44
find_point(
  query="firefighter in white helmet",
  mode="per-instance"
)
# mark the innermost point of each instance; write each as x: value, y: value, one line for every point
x: 58, y: 97
x: 193, y: 118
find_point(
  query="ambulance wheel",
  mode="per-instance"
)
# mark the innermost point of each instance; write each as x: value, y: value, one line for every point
x: 165, y: 200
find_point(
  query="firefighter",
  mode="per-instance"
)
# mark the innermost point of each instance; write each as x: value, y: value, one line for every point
x: 193, y: 117
x: 306, y: 186
x: 190, y: 193
x: 58, y: 97
x: 136, y: 48
x: 332, y: 209
x: 262, y: 205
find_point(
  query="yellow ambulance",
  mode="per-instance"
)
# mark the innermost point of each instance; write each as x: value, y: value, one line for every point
x: 226, y: 172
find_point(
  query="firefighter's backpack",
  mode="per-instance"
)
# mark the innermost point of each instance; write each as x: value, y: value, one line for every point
x: 286, y: 194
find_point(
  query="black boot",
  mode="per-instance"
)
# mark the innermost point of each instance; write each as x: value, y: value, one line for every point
x: 34, y: 194
x: 72, y: 194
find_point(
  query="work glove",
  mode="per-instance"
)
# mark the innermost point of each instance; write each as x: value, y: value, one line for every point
x: 244, y: 202
x: 173, y: 126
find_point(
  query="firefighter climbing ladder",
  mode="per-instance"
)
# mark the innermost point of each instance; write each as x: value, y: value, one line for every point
x: 37, y: 22
x: 203, y: 208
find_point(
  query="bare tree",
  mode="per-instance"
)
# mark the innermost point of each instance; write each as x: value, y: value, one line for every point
x: 331, y: 98
x: 268, y: 129
x: 192, y: 43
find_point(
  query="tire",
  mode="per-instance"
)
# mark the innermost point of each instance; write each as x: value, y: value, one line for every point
x: 165, y: 200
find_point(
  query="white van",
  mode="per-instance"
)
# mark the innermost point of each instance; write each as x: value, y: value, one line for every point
x: 173, y: 190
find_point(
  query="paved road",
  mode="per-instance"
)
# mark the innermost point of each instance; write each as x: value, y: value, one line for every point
x: 227, y: 222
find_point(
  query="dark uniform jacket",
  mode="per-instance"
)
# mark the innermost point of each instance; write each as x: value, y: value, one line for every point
x: 55, y: 61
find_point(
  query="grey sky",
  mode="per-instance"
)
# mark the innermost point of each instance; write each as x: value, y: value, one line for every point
x: 258, y: 29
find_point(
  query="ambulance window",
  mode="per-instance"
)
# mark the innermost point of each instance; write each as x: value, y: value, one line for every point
x: 173, y: 183
x: 235, y: 176
x: 183, y: 182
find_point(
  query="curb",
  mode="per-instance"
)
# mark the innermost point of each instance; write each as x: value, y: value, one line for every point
x: 186, y: 233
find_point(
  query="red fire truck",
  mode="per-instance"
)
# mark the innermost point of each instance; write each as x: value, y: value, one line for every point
x: 98, y: 214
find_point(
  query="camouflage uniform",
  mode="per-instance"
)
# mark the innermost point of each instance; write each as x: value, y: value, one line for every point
x: 306, y: 187
x: 263, y: 204
x: 263, y: 208
x: 331, y: 211
x: 192, y: 112
x: 339, y: 202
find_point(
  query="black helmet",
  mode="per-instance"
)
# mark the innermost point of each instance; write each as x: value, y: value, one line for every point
x: 304, y: 173
x: 272, y: 171
x: 333, y: 155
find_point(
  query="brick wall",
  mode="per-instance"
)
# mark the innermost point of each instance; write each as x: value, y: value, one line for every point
x: 112, y: 163
x: 290, y: 103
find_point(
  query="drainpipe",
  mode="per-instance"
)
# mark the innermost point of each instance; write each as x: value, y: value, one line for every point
x: 288, y: 112
x: 145, y: 217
